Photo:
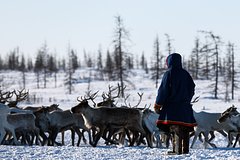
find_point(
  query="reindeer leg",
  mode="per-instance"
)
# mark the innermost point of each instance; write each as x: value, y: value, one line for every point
x: 90, y: 137
x: 14, y: 136
x: 44, y: 137
x: 36, y: 133
x: 63, y: 132
x: 84, y: 139
x: 73, y: 135
x: 196, y: 133
x: 2, y: 134
x: 212, y: 136
x: 237, y: 137
x: 206, y: 141
x: 80, y: 135
x: 98, y: 135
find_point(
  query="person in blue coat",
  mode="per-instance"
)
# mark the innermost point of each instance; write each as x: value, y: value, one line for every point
x: 173, y: 104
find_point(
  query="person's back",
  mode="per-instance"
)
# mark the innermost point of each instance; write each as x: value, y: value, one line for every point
x: 174, y: 96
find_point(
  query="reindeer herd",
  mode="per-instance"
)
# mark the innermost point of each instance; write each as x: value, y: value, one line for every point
x: 124, y: 125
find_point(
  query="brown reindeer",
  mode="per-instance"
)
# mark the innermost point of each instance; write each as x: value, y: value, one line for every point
x: 102, y: 118
x: 58, y: 121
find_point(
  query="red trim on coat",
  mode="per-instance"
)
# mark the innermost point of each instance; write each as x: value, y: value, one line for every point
x: 175, y: 122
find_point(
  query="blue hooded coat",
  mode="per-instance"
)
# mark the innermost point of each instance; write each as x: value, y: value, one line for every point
x: 175, y: 94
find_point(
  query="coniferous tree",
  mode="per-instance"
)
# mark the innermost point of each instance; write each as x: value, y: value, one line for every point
x: 52, y: 67
x: 22, y: 68
x: 39, y: 65
x: 74, y: 59
x: 88, y: 59
x: 13, y: 59
x: 233, y: 73
x: 195, y: 67
x: 157, y: 67
x: 214, y: 48
x: 142, y: 62
x: 169, y: 45
x: 108, y: 69
x: 29, y: 64
x: 120, y: 37
x: 99, y: 60
x: 227, y: 74
x: 1, y: 63
x: 230, y: 73
x: 100, y: 64
x: 69, y: 80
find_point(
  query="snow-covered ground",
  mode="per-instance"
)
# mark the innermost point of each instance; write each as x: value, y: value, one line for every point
x: 140, y: 83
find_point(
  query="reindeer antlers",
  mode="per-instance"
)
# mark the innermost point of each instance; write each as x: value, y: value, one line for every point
x: 108, y: 96
x: 125, y: 100
x: 88, y: 96
x: 21, y: 95
x: 4, y: 96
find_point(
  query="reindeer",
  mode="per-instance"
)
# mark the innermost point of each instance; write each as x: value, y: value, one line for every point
x: 232, y: 117
x: 108, y: 101
x: 149, y: 121
x: 5, y: 125
x: 52, y: 107
x: 20, y: 95
x: 102, y: 118
x: 24, y: 125
x: 108, y: 98
x: 58, y: 121
x: 207, y: 122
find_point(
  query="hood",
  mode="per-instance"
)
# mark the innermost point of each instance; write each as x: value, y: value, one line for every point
x: 174, y: 60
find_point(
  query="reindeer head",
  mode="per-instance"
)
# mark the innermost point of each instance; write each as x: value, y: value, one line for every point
x: 108, y: 98
x: 80, y: 107
x: 84, y: 102
x: 228, y: 113
x: 20, y: 95
x: 53, y: 107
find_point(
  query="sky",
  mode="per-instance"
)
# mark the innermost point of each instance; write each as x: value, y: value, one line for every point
x: 89, y: 24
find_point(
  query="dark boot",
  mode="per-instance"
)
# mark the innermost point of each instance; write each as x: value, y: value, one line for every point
x: 178, y: 143
x: 173, y: 145
x: 186, y: 141
x: 177, y: 139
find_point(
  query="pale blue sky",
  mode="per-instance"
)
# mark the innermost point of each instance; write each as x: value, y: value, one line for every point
x: 88, y: 24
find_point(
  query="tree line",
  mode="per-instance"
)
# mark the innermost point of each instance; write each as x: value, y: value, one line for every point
x: 210, y: 59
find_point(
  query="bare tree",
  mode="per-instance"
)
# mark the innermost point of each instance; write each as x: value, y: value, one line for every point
x: 108, y: 69
x: 52, y: 67
x: 157, y: 63
x: 169, y: 45
x: 100, y: 64
x: 120, y: 37
x: 196, y: 59
x: 230, y: 72
x: 233, y: 73
x: 70, y: 71
x: 1, y: 63
x: 22, y: 68
x: 216, y: 42
x: 41, y: 64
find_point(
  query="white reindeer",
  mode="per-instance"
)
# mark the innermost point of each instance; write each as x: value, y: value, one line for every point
x: 232, y: 117
x: 5, y: 125
x: 207, y: 122
x: 149, y: 120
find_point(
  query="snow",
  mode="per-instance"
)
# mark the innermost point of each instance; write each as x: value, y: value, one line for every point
x: 140, y: 83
